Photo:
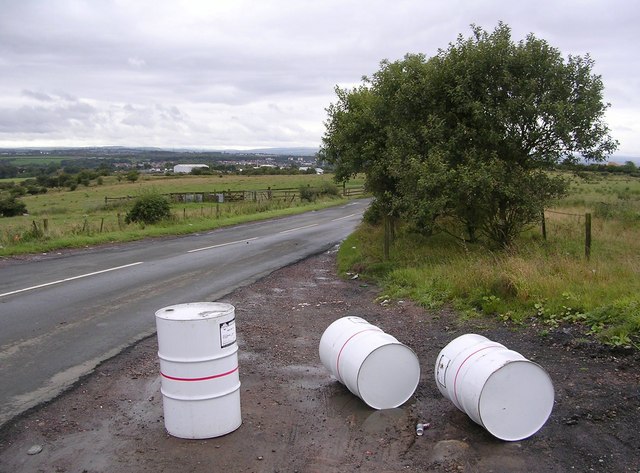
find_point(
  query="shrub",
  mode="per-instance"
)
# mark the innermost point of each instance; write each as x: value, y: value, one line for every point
x: 329, y: 188
x: 308, y: 194
x: 34, y: 190
x: 374, y: 213
x: 132, y: 176
x: 149, y: 208
x: 10, y: 206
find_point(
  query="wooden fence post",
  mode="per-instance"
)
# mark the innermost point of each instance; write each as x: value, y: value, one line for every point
x: 587, y: 237
x: 387, y: 237
x: 544, y: 227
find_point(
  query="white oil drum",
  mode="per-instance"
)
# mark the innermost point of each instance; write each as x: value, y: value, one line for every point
x: 372, y: 364
x: 498, y: 388
x: 200, y: 383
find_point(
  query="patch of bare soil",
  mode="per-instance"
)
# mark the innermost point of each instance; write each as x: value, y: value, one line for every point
x: 297, y: 418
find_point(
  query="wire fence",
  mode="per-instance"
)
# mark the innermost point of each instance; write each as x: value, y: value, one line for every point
x: 286, y: 194
x: 587, y: 227
x: 564, y: 213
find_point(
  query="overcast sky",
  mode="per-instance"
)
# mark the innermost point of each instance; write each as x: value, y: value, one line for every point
x: 248, y: 74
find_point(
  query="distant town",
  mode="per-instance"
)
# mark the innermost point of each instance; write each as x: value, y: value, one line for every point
x: 15, y: 162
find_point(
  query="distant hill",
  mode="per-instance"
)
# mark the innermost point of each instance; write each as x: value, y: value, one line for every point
x: 277, y: 151
x: 122, y: 150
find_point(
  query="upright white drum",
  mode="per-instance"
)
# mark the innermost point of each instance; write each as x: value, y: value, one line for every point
x: 498, y: 388
x: 199, y: 369
x: 372, y: 364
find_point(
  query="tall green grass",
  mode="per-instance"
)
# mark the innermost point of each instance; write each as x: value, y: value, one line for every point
x: 550, y: 280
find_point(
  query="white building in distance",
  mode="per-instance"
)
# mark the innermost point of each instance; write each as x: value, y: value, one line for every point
x: 187, y: 168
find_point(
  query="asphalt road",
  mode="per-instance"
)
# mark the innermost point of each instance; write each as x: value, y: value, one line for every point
x: 61, y: 315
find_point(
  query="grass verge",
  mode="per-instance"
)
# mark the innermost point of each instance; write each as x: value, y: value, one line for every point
x: 30, y: 236
x: 547, y: 282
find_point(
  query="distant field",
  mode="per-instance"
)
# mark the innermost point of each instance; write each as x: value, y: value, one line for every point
x: 87, y: 200
x: 63, y: 218
x: 24, y: 160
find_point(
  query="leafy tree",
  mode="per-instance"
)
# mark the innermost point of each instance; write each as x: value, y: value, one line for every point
x: 629, y: 167
x: 469, y: 136
x: 8, y: 171
x: 355, y: 141
x: 149, y: 208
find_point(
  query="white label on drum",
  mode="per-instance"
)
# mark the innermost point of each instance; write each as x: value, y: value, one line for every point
x: 441, y: 370
x: 227, y: 333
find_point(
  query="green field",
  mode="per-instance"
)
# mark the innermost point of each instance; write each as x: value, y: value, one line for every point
x: 87, y: 200
x: 36, y: 159
x: 549, y: 282
x: 63, y: 218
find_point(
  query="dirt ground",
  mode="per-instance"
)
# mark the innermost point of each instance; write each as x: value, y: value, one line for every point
x: 296, y: 418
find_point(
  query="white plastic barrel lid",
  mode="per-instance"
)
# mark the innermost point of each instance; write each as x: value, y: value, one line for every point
x: 389, y: 376
x: 195, y: 311
x: 516, y: 400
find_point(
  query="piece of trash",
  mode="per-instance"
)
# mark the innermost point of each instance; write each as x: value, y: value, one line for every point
x: 421, y: 427
x: 34, y: 450
x: 355, y: 276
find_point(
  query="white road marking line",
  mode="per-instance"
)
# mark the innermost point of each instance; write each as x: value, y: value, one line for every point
x: 298, y: 228
x: 342, y: 218
x: 70, y: 279
x: 222, y: 244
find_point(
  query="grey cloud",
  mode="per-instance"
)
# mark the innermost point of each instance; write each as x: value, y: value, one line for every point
x: 138, y: 117
x: 157, y: 116
x: 43, y: 119
x: 37, y: 95
x: 172, y: 113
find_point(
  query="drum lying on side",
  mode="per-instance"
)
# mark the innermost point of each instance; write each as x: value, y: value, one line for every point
x: 498, y: 388
x: 372, y: 364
